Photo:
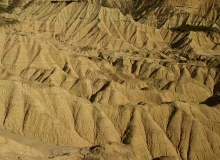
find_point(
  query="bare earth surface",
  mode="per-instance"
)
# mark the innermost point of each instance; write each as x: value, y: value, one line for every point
x: 110, y: 79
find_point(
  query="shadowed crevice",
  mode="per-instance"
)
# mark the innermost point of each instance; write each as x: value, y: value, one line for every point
x: 212, y: 101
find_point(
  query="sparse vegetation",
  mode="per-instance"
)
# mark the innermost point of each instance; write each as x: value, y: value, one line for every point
x: 7, y: 21
x: 3, y: 9
x: 86, y: 48
x: 135, y: 52
x: 13, y: 4
x: 141, y: 9
x: 186, y: 28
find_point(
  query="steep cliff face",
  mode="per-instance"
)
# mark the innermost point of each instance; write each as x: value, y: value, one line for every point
x: 110, y: 79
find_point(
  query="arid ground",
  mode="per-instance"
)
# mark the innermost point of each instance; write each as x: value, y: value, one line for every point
x: 110, y: 79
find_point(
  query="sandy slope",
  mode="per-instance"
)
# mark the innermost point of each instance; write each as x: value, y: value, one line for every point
x: 110, y: 80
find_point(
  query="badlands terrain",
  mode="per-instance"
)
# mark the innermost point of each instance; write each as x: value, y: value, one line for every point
x: 110, y: 79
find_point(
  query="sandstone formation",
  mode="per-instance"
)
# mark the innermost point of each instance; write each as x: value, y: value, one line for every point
x: 110, y: 79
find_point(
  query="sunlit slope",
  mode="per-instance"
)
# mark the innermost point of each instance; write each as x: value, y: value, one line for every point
x: 112, y: 75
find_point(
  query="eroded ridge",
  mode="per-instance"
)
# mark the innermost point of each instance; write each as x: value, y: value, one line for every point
x: 110, y: 79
